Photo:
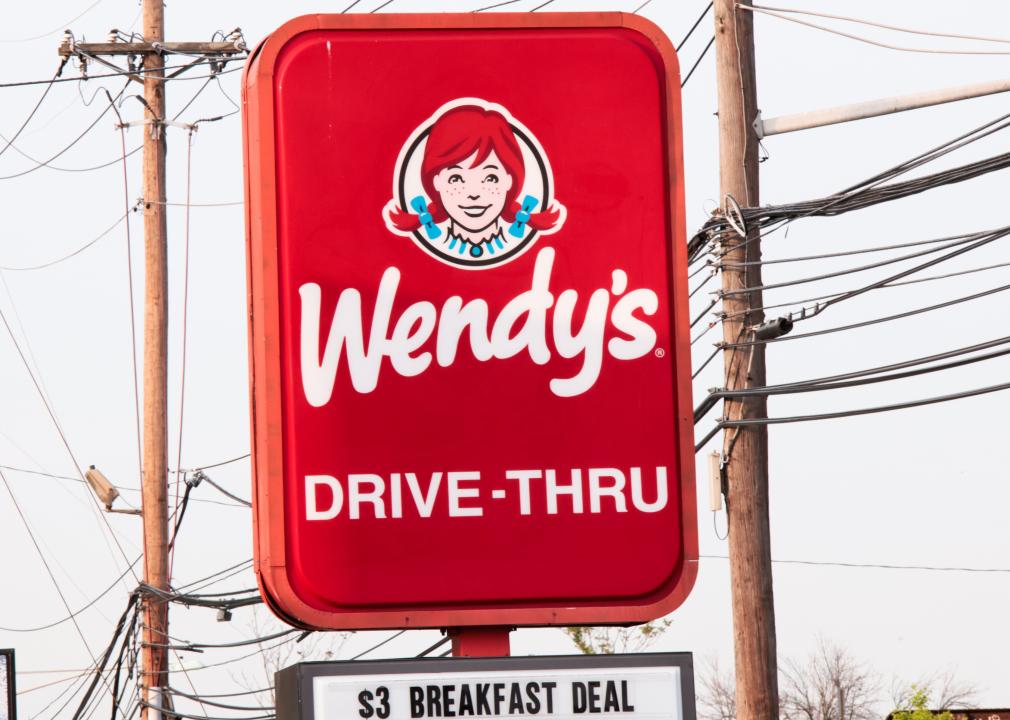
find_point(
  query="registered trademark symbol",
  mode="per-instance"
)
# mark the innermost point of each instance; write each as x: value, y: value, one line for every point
x: 660, y: 352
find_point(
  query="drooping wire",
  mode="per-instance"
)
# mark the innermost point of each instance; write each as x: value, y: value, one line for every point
x: 117, y: 160
x: 866, y: 193
x: 203, y: 699
x: 490, y: 7
x: 846, y: 253
x: 883, y: 319
x: 434, y: 647
x: 239, y: 643
x: 962, y: 240
x: 219, y: 463
x: 72, y: 616
x: 868, y: 41
x: 217, y: 577
x: 236, y: 498
x: 378, y: 645
x: 876, y: 566
x: 682, y: 43
x: 901, y: 283
x: 185, y: 334
x: 59, y: 430
x: 60, y: 28
x: 850, y: 413
x: 863, y: 377
x: 63, y: 258
x: 175, y: 713
x: 897, y: 28
x: 130, y: 294
x: 80, y: 610
x: 125, y: 73
x: 35, y: 109
x: 697, y: 63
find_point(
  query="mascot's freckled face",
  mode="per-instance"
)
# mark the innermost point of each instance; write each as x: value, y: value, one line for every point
x: 474, y: 193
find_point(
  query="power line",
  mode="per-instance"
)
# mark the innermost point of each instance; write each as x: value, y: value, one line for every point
x: 434, y: 647
x: 482, y: 9
x: 129, y: 289
x: 240, y: 643
x: 59, y: 429
x: 234, y: 694
x: 227, y: 662
x: 64, y: 258
x: 877, y: 566
x: 131, y: 153
x: 185, y: 336
x: 99, y: 675
x: 166, y: 712
x: 693, y: 27
x: 868, y: 192
x: 75, y: 18
x: 74, y: 142
x: 218, y: 464
x: 878, y: 320
x: 898, y: 28
x: 988, y: 235
x: 196, y: 204
x: 45, y: 563
x: 224, y: 492
x: 35, y: 109
x: 697, y: 62
x: 227, y: 573
x: 868, y: 41
x: 722, y: 424
x: 902, y: 283
x: 864, y: 377
x: 378, y: 645
x: 80, y: 610
x: 844, y: 253
x: 124, y: 73
x: 226, y: 706
x: 68, y: 478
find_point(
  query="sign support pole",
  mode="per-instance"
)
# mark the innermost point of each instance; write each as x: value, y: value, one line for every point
x: 745, y: 449
x: 492, y: 641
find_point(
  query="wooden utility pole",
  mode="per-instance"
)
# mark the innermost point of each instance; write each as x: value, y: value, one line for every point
x: 155, y: 456
x: 154, y: 487
x: 745, y: 449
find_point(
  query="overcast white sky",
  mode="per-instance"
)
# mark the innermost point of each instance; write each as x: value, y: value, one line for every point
x: 919, y: 487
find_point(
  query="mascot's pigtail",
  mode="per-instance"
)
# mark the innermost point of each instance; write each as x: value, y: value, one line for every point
x: 521, y: 215
x: 424, y: 216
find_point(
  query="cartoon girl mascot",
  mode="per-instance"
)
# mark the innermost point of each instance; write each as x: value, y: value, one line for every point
x: 475, y: 208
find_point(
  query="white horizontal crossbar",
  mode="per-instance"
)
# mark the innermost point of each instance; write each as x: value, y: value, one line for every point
x: 875, y: 108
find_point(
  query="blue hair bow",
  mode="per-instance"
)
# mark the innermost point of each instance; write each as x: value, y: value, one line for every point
x: 421, y: 208
x: 518, y: 228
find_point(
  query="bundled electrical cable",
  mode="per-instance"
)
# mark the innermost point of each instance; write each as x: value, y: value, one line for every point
x: 872, y: 191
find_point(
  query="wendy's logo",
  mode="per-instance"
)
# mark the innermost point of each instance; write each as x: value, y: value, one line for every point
x: 473, y: 187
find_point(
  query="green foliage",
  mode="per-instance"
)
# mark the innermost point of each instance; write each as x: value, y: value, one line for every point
x: 918, y: 708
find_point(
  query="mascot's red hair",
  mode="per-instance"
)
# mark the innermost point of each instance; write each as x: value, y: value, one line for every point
x: 456, y: 136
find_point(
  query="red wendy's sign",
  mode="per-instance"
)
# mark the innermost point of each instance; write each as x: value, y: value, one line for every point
x: 471, y: 391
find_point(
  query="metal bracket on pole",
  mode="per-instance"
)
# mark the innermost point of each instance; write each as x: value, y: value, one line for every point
x: 875, y: 108
x: 159, y: 123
